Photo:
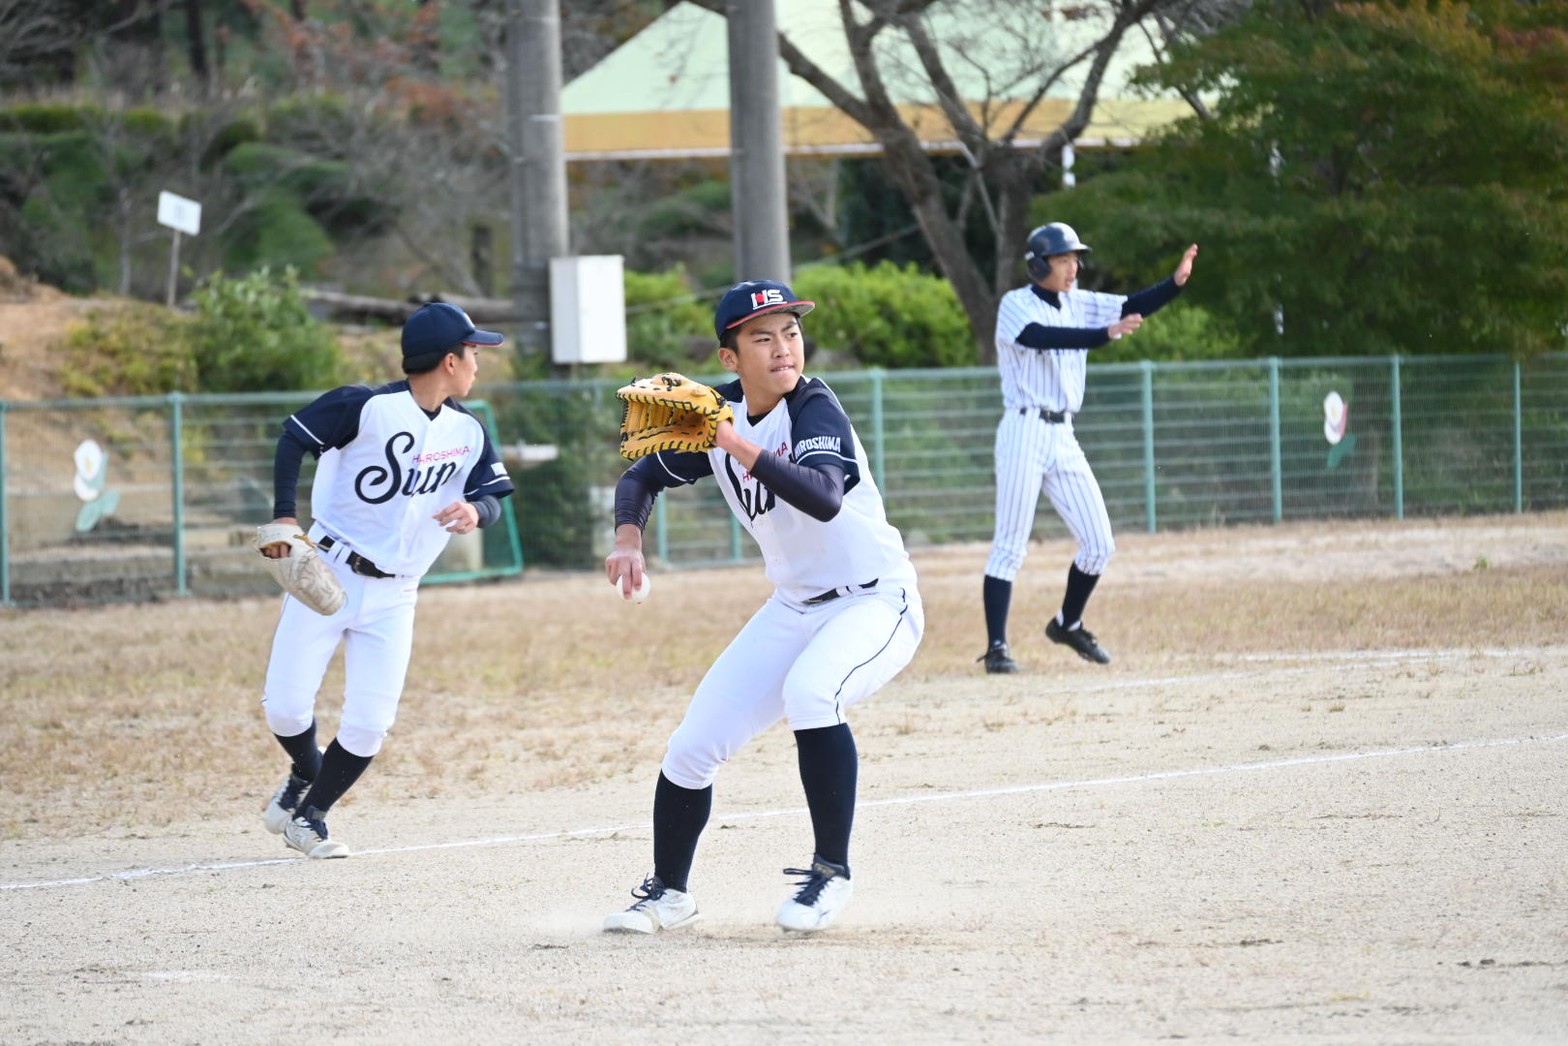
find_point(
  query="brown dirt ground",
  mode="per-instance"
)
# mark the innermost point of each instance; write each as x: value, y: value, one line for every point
x: 33, y: 319
x: 1317, y: 798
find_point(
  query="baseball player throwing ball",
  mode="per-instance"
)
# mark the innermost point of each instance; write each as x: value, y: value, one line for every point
x: 1043, y: 336
x: 843, y: 619
x: 403, y: 467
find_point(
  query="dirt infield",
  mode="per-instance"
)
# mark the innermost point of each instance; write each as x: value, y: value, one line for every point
x: 1318, y: 797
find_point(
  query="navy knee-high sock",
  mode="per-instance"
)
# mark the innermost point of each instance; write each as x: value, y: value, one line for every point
x: 340, y: 768
x: 1079, y: 587
x: 998, y: 596
x: 303, y: 751
x: 829, y: 767
x: 679, y: 816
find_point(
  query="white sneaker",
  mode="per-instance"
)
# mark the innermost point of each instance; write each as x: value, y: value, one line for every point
x: 309, y: 837
x: 279, y: 811
x: 658, y: 908
x: 823, y: 894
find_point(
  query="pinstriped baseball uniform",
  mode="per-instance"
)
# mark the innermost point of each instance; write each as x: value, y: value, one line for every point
x: 1032, y: 452
x: 1044, y: 333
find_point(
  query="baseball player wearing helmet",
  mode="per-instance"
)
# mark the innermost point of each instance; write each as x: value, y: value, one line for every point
x: 402, y: 468
x: 844, y: 617
x: 1044, y: 332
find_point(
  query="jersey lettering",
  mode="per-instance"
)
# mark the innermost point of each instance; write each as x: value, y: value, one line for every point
x: 833, y: 443
x: 753, y: 498
x: 418, y: 481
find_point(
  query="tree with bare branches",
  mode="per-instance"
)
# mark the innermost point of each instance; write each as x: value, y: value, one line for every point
x: 896, y: 46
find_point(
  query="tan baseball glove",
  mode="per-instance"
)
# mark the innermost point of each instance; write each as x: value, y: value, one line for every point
x: 670, y: 412
x: 302, y: 573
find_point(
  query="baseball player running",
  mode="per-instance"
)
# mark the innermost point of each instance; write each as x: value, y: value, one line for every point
x: 1043, y: 336
x: 844, y: 617
x: 403, y: 467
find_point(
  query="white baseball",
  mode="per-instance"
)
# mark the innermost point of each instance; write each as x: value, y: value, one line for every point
x: 640, y: 593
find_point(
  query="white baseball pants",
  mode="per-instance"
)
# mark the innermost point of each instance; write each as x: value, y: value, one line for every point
x: 808, y: 665
x: 1031, y: 454
x: 376, y: 628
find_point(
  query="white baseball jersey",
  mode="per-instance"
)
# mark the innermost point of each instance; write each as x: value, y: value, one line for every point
x: 805, y: 662
x: 803, y: 556
x: 387, y: 467
x: 1048, y: 379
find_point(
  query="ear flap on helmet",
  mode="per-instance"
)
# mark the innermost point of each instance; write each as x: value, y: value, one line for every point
x: 1055, y: 238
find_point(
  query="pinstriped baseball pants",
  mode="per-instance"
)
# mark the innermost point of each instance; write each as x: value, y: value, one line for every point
x: 1033, y: 454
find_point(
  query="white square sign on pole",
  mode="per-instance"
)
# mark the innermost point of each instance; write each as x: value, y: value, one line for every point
x: 179, y: 213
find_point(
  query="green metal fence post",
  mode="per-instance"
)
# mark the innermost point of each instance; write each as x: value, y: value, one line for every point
x: 1399, y: 441
x: 661, y: 530
x: 177, y: 463
x: 1518, y: 441
x: 878, y: 436
x: 5, y: 523
x: 1147, y: 369
x: 1276, y: 469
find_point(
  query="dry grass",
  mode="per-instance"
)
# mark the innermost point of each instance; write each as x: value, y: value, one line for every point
x: 122, y: 718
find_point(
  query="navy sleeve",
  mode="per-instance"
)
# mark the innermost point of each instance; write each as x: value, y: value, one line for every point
x: 285, y: 474
x: 488, y: 478
x: 489, y: 509
x: 820, y: 433
x: 332, y: 419
x: 640, y: 484
x: 1039, y: 336
x: 817, y: 490
x: 1150, y: 299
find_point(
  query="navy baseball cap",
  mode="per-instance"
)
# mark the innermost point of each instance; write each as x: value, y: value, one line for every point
x: 755, y: 298
x: 440, y: 327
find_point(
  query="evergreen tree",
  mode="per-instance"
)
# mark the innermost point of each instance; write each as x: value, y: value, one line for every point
x: 1370, y: 178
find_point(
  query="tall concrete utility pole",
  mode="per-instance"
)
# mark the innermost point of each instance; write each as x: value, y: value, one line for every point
x: 538, y: 161
x: 757, y: 188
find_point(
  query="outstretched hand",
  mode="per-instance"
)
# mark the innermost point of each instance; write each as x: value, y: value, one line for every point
x: 1184, y: 267
x: 1126, y: 325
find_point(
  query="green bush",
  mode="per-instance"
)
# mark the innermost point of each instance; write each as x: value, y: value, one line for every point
x: 241, y: 130
x: 888, y: 316
x: 662, y: 320
x: 254, y: 334
x: 135, y: 349
x: 1179, y: 332
x: 45, y: 118
x: 152, y: 126
x: 279, y: 232
x: 300, y: 201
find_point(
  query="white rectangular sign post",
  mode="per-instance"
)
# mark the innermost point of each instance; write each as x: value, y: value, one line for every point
x: 181, y: 215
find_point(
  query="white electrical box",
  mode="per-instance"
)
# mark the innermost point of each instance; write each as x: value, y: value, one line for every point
x: 587, y: 309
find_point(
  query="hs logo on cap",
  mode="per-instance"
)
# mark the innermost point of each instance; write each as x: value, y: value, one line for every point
x: 762, y: 299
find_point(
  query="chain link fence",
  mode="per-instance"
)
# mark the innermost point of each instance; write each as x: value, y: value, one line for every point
x: 165, y: 504
x: 154, y: 496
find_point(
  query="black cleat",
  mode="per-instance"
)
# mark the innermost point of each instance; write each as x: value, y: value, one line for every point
x: 998, y: 659
x: 1079, y: 639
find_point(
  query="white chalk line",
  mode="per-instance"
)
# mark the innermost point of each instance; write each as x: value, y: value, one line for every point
x: 758, y: 815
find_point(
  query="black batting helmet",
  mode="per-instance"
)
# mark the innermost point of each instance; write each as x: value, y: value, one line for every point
x: 1056, y: 238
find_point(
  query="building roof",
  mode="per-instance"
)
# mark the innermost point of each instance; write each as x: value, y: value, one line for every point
x: 665, y: 92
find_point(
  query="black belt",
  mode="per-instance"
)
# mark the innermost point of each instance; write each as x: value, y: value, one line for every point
x: 1055, y: 417
x: 356, y: 562
x: 833, y: 593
